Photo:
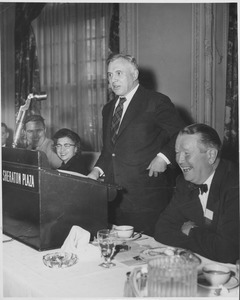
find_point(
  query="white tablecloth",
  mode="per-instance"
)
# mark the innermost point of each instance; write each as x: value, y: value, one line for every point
x: 25, y: 275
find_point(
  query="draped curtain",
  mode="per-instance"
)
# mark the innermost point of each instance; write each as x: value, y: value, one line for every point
x: 26, y: 63
x: 73, y: 45
x: 114, y: 29
x: 230, y: 142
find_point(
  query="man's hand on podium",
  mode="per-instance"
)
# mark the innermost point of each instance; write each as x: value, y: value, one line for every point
x: 95, y: 173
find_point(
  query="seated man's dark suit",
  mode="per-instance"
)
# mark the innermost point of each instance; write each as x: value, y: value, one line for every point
x: 216, y: 239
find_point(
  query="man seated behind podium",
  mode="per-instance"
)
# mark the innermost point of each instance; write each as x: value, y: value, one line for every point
x: 68, y: 147
x: 207, y: 221
x: 5, y: 136
x: 35, y: 129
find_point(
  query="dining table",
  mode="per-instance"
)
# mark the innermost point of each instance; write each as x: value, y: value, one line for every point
x: 24, y: 273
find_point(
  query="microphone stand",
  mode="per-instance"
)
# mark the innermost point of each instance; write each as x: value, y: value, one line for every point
x: 22, y: 113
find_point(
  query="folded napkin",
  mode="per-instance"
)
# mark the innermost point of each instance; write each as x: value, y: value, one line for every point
x: 77, y: 242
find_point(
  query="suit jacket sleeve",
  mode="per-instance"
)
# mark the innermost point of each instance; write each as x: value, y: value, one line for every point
x: 169, y: 120
x: 168, y: 227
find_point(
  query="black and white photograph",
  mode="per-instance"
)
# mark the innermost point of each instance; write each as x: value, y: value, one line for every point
x: 120, y: 149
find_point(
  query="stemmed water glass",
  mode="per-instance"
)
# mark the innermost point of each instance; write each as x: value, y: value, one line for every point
x: 107, y: 241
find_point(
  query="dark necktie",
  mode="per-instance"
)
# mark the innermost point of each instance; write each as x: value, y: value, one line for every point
x: 116, y: 118
x: 203, y: 187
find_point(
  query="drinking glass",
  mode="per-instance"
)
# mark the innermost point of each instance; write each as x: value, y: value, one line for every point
x: 172, y: 276
x: 107, y: 242
x: 238, y: 268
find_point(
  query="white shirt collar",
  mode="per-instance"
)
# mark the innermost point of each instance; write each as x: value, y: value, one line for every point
x: 209, y: 180
x: 128, y: 97
x: 131, y: 94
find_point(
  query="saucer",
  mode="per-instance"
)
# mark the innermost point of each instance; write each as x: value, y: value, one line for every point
x: 169, y: 251
x: 135, y: 236
x: 232, y: 283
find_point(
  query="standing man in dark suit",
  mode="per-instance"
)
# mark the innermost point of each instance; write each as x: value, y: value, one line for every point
x: 136, y: 153
x: 203, y: 219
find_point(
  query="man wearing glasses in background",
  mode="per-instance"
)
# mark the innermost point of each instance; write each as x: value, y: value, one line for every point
x: 36, y: 139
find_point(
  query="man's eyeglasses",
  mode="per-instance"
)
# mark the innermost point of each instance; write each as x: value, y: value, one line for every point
x: 67, y: 146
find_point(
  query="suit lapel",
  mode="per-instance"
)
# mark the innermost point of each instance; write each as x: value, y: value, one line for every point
x: 136, y: 106
x: 111, y: 113
x: 108, y: 114
x: 215, y: 188
x: 194, y: 207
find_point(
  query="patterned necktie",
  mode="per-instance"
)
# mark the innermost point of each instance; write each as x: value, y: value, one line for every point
x: 203, y: 187
x: 116, y: 119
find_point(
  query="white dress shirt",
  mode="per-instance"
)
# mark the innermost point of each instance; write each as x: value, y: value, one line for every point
x: 204, y: 197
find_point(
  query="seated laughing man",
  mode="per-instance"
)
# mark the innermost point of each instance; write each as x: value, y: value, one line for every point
x: 203, y: 219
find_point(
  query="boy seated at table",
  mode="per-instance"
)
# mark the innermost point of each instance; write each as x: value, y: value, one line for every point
x: 203, y: 215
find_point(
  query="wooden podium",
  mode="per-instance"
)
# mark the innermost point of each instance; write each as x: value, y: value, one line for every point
x: 41, y: 205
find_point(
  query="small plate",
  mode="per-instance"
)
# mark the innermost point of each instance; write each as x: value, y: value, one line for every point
x: 232, y: 283
x: 169, y: 251
x: 60, y: 259
x: 135, y: 236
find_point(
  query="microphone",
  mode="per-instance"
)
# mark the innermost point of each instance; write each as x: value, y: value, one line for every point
x: 39, y: 97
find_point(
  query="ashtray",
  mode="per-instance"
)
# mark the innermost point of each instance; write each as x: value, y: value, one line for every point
x: 60, y: 259
x: 169, y: 251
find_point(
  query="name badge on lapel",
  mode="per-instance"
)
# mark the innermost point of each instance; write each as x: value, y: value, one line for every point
x: 208, y: 216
